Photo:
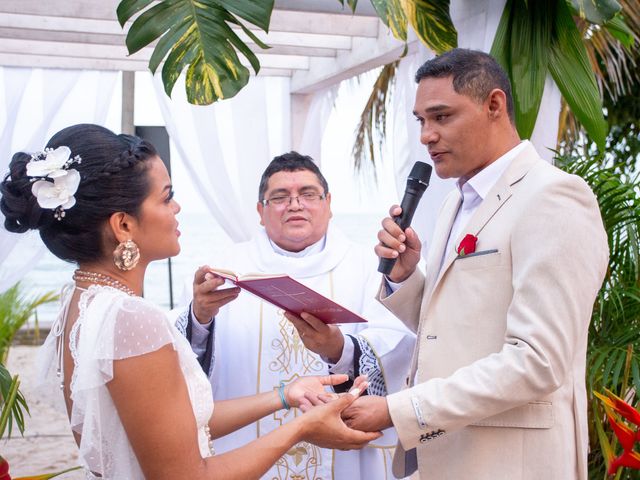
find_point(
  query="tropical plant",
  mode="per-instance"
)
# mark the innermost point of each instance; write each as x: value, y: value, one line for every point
x: 619, y: 80
x: 197, y: 35
x: 430, y: 20
x: 563, y: 38
x: 624, y: 421
x: 533, y: 40
x: 613, y: 353
x: 15, y: 310
x: 12, y: 403
x: 373, y: 119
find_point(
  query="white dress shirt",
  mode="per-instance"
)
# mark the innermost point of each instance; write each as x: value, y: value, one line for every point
x: 473, y: 192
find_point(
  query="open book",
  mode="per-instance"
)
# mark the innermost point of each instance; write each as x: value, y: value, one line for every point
x: 290, y: 295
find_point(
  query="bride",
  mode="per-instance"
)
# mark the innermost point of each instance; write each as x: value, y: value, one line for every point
x: 138, y: 402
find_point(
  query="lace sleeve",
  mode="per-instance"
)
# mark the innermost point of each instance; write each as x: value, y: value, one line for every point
x: 115, y: 327
x: 370, y: 365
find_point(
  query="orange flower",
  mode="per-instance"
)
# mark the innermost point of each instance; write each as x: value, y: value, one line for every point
x: 620, y: 406
x: 615, y: 408
x: 628, y: 459
x: 626, y: 436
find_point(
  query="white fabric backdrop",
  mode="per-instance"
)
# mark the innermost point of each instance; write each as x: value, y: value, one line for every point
x: 225, y: 159
x: 38, y: 103
x: 315, y: 124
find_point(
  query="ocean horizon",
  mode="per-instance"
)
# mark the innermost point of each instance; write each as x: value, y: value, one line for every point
x: 200, y: 235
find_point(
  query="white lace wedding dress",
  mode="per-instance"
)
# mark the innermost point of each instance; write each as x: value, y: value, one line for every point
x: 113, y: 326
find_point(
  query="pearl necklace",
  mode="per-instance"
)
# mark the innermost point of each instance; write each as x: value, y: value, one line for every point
x: 101, y: 279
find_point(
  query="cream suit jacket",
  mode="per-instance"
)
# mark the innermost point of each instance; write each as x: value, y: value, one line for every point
x: 502, y: 334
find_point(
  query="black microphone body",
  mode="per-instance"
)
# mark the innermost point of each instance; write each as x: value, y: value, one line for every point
x: 417, y: 183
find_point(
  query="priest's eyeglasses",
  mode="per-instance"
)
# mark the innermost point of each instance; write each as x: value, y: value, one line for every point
x: 307, y: 199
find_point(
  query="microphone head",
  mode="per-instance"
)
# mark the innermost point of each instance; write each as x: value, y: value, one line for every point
x: 420, y: 175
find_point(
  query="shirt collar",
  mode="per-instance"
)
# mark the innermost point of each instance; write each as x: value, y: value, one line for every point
x: 483, y: 181
x: 310, y: 250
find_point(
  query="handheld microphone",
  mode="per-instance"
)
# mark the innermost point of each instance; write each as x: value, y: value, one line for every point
x: 417, y: 183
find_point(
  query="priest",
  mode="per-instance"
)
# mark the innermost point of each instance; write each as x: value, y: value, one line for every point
x: 247, y: 345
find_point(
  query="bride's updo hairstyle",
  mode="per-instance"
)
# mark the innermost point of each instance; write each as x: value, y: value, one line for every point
x: 113, y: 178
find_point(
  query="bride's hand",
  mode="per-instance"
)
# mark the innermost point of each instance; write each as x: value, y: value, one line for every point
x: 297, y: 392
x: 304, y: 392
x: 323, y: 425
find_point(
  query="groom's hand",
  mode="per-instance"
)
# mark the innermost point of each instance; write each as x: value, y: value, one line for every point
x: 369, y: 414
x: 207, y: 295
x: 403, y: 246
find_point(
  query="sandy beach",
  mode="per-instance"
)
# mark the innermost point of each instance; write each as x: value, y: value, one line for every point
x: 47, y: 445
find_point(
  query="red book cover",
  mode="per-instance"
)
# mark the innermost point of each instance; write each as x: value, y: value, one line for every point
x: 292, y: 296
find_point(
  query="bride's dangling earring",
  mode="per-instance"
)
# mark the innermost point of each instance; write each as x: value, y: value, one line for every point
x: 126, y: 255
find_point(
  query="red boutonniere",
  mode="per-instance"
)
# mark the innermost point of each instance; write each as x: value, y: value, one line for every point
x: 467, y: 245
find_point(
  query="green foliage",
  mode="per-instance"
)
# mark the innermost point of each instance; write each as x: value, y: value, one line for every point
x: 429, y: 18
x: 197, y: 35
x: 432, y: 23
x: 15, y: 311
x: 12, y: 403
x: 374, y: 117
x: 534, y: 39
x: 613, y: 355
x: 596, y: 11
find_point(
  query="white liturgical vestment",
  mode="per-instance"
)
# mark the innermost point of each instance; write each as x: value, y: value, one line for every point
x: 256, y: 347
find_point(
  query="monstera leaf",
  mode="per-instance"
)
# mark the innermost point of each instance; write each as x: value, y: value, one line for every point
x: 430, y: 20
x: 197, y: 35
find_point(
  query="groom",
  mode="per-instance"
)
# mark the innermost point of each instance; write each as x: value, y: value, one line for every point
x: 497, y: 384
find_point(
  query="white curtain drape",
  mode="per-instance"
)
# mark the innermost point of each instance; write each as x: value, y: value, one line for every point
x: 37, y: 103
x: 476, y: 22
x: 226, y: 146
x: 315, y: 124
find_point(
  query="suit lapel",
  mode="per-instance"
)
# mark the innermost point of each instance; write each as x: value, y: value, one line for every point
x: 496, y: 198
x: 441, y: 236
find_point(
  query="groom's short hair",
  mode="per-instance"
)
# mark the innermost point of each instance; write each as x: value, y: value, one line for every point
x: 473, y: 73
x: 290, y: 162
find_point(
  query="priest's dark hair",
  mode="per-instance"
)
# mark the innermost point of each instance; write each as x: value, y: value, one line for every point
x: 290, y: 162
x: 113, y: 178
x: 474, y: 73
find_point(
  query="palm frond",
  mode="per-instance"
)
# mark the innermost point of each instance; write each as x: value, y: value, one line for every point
x: 13, y: 405
x: 373, y: 119
x: 16, y: 309
x: 616, y: 67
x: 613, y: 353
